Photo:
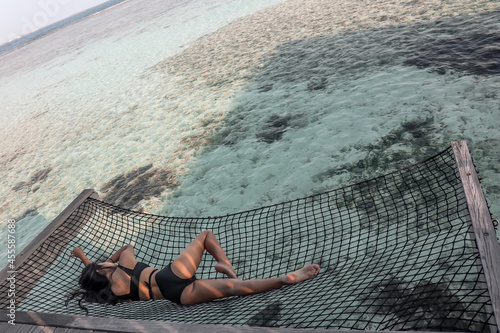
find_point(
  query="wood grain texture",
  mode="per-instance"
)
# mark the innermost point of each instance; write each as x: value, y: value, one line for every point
x: 89, y: 324
x: 484, y: 232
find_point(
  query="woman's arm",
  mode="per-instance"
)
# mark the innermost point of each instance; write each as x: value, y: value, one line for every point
x: 116, y: 257
x: 78, y: 253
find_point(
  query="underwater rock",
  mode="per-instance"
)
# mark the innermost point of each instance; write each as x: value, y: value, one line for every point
x: 441, y: 46
x: 19, y: 186
x: 478, y: 54
x: 123, y: 180
x: 140, y: 184
x: 317, y: 84
x: 425, y: 306
x: 411, y: 140
x: 38, y: 177
x: 268, y: 317
x: 319, y: 64
x: 275, y: 127
x: 393, y: 296
x: 279, y: 121
x: 270, y: 135
x: 272, y: 130
x: 266, y: 88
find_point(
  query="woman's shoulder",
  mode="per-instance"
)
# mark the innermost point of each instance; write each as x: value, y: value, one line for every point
x: 127, y: 261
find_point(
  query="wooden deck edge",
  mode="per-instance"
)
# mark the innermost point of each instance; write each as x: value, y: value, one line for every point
x: 139, y: 326
x: 41, y: 237
x: 484, y: 232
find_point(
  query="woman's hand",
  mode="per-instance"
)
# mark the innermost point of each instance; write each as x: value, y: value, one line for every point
x: 77, y: 253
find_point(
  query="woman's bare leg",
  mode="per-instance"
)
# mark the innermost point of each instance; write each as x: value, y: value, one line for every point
x: 186, y: 264
x: 207, y: 290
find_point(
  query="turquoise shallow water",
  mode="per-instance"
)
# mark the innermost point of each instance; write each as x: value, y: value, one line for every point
x: 205, y: 108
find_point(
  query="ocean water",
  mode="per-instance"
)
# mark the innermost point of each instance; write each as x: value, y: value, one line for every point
x: 19, y: 42
x: 204, y: 108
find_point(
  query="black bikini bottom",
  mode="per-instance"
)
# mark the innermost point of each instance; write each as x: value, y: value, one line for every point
x: 172, y: 286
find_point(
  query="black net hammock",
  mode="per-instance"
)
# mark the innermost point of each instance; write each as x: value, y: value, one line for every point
x: 396, y: 253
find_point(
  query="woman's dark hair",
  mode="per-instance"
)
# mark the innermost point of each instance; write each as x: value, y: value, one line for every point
x: 94, y: 288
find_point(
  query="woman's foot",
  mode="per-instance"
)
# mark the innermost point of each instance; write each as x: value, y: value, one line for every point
x: 227, y: 269
x: 305, y: 273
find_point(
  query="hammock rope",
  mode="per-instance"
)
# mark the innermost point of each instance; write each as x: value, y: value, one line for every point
x: 395, y: 253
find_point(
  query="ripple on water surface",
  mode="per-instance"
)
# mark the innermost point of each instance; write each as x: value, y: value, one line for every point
x: 331, y: 92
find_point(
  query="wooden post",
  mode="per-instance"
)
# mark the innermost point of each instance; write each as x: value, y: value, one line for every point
x: 484, y: 232
x: 40, y: 238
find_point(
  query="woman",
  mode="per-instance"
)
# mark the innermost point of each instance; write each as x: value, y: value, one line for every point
x: 132, y: 280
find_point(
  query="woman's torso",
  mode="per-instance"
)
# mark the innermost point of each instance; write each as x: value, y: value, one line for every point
x: 121, y: 283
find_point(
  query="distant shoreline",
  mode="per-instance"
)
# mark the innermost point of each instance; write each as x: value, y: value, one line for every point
x: 24, y: 40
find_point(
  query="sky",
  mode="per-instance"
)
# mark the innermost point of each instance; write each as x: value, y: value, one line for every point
x: 21, y: 17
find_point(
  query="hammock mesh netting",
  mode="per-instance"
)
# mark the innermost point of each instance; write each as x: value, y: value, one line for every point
x: 395, y: 254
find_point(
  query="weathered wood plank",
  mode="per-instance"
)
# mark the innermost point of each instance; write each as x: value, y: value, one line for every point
x: 47, y: 329
x: 31, y: 328
x: 37, y: 329
x: 484, y: 232
x: 9, y: 328
x: 4, y: 326
x: 129, y: 325
x: 62, y: 330
x: 25, y: 328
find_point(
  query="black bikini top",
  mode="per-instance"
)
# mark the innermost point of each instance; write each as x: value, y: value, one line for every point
x: 135, y: 274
